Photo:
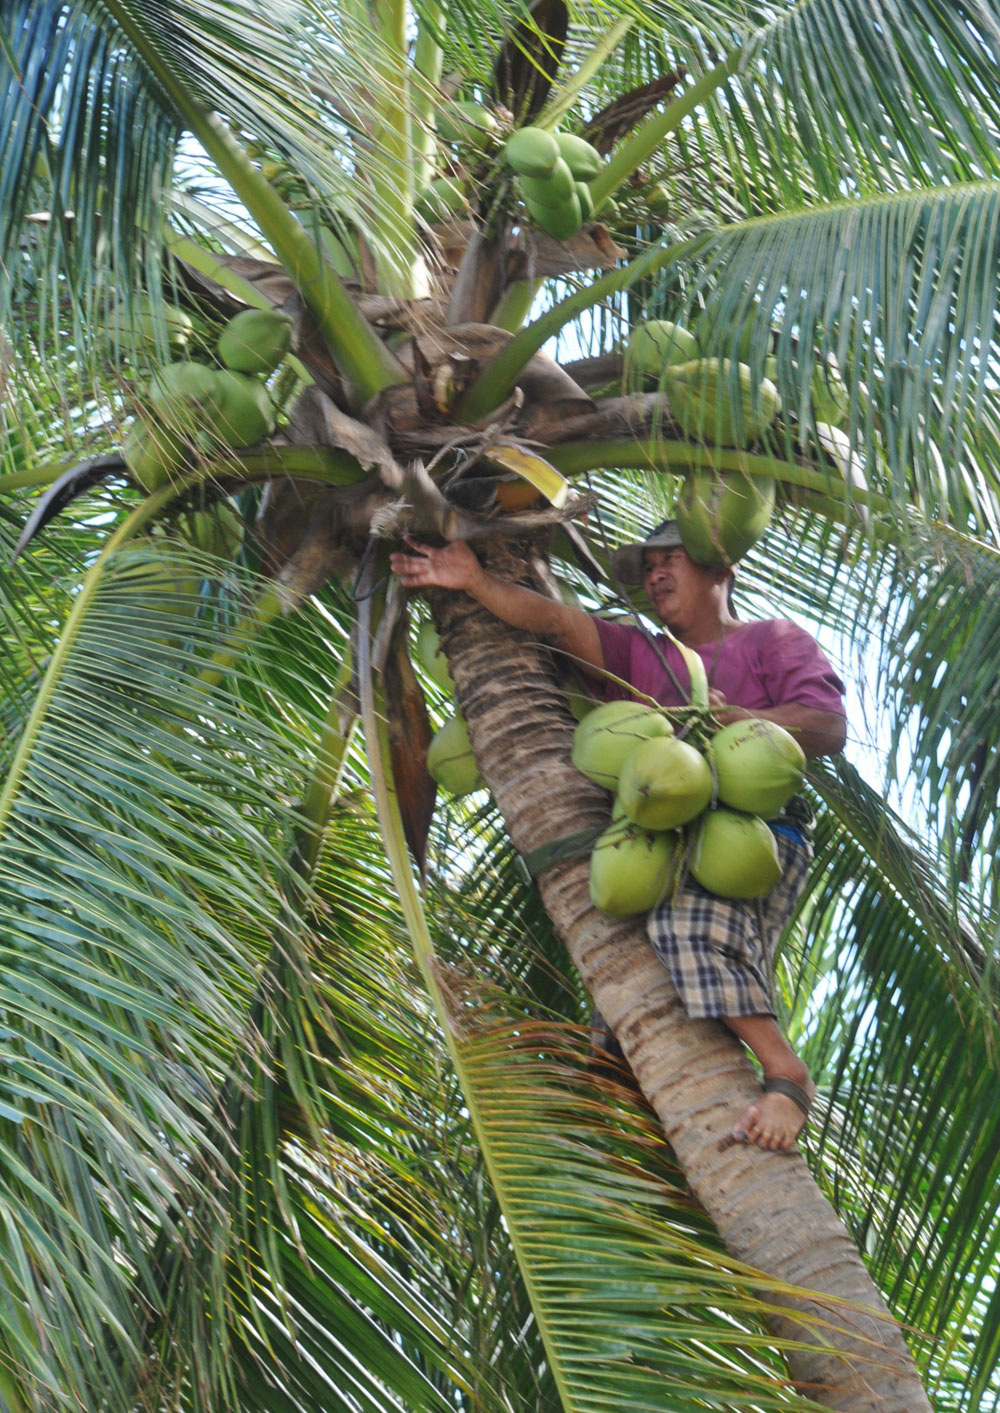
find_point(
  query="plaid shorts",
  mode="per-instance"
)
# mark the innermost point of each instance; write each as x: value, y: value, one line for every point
x: 719, y: 951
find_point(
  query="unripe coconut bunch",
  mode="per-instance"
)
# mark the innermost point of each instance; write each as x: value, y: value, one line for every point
x: 194, y: 407
x: 472, y: 128
x: 720, y: 514
x: 554, y: 171
x: 674, y: 803
x: 713, y: 399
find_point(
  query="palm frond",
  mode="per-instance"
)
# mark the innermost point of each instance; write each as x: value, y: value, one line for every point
x: 895, y: 1006
x: 945, y: 718
x: 875, y: 95
x: 618, y: 1232
x: 122, y: 997
x: 146, y: 886
x: 88, y: 143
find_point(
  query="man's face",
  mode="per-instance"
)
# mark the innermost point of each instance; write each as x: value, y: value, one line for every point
x: 675, y: 586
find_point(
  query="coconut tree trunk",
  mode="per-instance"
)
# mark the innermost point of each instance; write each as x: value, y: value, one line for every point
x: 766, y: 1206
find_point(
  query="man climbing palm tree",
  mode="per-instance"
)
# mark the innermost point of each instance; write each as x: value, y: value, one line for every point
x: 718, y: 951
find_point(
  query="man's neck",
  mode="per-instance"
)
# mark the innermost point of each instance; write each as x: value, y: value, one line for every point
x: 710, y: 628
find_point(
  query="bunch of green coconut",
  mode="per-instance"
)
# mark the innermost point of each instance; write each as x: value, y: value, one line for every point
x: 720, y: 514
x: 679, y: 809
x: 701, y: 391
x: 661, y: 351
x: 554, y: 171
x: 193, y: 409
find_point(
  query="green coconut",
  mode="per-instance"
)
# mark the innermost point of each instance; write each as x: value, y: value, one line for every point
x: 658, y: 198
x: 427, y: 649
x: 464, y: 121
x: 632, y: 868
x: 218, y: 530
x: 734, y: 855
x: 721, y: 514
x: 607, y: 734
x: 450, y: 760
x: 148, y: 324
x: 179, y: 325
x: 583, y: 160
x: 585, y: 199
x: 255, y: 341
x: 552, y: 190
x: 441, y: 200
x: 559, y: 222
x: 657, y: 343
x: 831, y: 401
x: 244, y: 413
x: 701, y: 395
x: 758, y: 765
x: 184, y: 394
x: 664, y: 783
x: 531, y: 152
x: 153, y: 453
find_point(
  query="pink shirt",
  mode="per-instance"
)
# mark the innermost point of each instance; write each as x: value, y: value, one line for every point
x: 762, y: 664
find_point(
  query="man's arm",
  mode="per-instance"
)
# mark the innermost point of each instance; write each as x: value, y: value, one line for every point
x: 819, y: 733
x: 455, y: 566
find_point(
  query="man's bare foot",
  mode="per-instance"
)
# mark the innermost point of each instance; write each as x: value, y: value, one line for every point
x: 775, y: 1120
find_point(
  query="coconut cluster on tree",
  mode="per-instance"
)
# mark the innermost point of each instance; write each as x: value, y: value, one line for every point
x: 193, y: 408
x: 681, y: 809
x: 554, y: 170
x: 718, y: 401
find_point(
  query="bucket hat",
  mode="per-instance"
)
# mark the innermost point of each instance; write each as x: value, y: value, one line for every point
x: 626, y: 563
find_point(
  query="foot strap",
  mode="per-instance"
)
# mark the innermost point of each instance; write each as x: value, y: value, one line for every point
x: 777, y: 1084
